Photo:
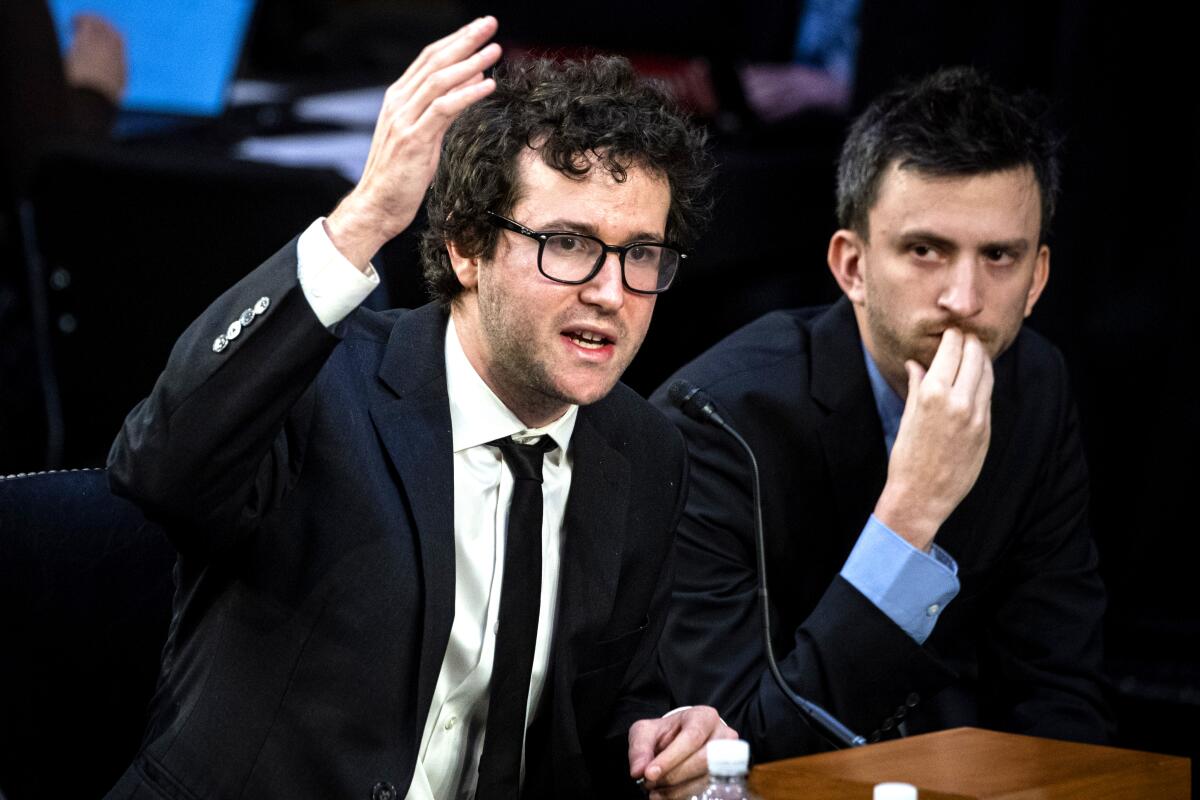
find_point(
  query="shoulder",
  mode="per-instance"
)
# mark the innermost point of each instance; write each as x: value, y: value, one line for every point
x: 634, y: 427
x: 369, y: 337
x: 770, y: 356
x: 1034, y: 371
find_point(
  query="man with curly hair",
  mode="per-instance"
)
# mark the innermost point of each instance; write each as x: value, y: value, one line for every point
x: 425, y: 553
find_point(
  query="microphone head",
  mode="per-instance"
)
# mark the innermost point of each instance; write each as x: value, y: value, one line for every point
x: 692, y: 401
x: 681, y: 391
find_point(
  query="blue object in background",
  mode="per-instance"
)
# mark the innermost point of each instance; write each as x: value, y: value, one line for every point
x: 181, y: 54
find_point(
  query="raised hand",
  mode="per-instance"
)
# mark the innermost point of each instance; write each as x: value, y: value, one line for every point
x: 446, y: 78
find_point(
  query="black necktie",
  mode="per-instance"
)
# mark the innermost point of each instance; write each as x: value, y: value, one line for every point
x: 520, y: 601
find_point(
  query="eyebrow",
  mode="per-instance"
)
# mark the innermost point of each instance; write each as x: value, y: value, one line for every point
x: 929, y: 237
x: 591, y: 230
x: 1017, y: 246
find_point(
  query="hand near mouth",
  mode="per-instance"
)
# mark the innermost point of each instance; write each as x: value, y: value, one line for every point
x: 943, y: 439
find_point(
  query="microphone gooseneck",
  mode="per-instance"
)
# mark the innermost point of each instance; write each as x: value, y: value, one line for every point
x: 699, y: 406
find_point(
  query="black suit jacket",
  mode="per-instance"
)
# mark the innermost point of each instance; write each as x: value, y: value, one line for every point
x: 306, y: 479
x: 1018, y: 649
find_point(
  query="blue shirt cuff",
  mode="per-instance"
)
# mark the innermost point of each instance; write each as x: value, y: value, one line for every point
x: 909, y: 586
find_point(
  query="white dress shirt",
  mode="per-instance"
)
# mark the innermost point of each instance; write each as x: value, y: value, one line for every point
x: 452, y: 743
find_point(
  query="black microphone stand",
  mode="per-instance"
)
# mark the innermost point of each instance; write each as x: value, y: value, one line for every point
x: 699, y: 407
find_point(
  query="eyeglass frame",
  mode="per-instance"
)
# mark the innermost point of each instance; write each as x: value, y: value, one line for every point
x: 541, y: 238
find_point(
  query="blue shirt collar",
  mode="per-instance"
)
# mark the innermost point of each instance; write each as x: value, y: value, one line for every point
x: 889, y: 404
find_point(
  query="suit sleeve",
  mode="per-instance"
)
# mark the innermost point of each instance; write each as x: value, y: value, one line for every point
x: 846, y: 656
x: 1041, y: 665
x: 221, y: 436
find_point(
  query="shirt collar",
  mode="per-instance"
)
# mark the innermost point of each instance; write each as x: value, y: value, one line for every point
x: 478, y: 416
x: 889, y: 404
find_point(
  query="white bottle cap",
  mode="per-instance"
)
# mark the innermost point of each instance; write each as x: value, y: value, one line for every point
x: 728, y: 757
x: 895, y: 791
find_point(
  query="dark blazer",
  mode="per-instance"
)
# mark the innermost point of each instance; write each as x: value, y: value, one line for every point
x: 1018, y: 649
x: 306, y: 479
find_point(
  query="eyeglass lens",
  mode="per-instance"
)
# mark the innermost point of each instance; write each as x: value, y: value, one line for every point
x: 572, y: 258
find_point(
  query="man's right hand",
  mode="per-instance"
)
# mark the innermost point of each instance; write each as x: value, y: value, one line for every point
x: 942, y: 441
x: 417, y: 110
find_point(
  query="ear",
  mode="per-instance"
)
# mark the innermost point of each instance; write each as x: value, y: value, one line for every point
x: 847, y: 252
x: 1041, y: 274
x: 467, y: 269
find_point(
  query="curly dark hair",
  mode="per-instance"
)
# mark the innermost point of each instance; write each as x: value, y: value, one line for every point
x: 953, y: 122
x: 570, y: 112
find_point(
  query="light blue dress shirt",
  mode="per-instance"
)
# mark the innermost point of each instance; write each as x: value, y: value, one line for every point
x: 910, y: 586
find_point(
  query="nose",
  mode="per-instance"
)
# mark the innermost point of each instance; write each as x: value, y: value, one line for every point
x: 605, y: 290
x: 961, y: 295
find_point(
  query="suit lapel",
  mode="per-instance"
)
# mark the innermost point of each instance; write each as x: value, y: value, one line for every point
x: 593, y: 541
x: 411, y: 413
x: 851, y: 433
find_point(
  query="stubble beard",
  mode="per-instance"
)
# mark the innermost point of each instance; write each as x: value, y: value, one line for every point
x: 523, y: 377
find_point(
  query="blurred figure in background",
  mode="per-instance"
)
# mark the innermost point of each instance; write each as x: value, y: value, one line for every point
x: 45, y: 99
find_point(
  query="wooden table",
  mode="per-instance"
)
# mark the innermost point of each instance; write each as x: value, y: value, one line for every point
x: 973, y: 764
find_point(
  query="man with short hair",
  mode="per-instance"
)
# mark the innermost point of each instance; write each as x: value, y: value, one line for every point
x: 928, y: 556
x: 425, y: 553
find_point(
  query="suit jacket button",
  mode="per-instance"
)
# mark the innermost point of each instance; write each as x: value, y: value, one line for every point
x: 261, y: 306
x: 888, y: 724
x: 220, y: 343
x: 234, y: 330
x: 900, y: 712
x: 383, y: 791
x: 912, y: 700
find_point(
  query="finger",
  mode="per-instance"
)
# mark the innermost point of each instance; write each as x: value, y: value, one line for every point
x: 983, y: 392
x: 693, y: 767
x: 693, y: 733
x: 916, y: 374
x: 434, y: 47
x: 428, y: 131
x: 442, y: 111
x: 444, y: 81
x: 456, y: 47
x: 644, y: 736
x: 696, y: 766
x: 949, y: 353
x: 970, y: 369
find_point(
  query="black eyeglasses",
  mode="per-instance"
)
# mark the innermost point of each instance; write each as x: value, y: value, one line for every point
x: 575, y: 258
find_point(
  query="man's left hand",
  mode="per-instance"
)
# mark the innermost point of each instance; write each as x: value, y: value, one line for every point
x: 670, y: 750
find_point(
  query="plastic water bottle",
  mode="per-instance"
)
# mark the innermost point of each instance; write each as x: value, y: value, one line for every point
x: 728, y: 767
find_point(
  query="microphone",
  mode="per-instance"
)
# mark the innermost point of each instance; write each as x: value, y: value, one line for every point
x: 700, y: 407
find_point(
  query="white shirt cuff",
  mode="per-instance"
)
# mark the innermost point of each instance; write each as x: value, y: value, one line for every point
x: 332, y: 285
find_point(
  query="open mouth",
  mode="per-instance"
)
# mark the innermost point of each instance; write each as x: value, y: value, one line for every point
x: 588, y: 340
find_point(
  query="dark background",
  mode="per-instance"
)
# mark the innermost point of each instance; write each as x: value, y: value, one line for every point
x: 133, y: 239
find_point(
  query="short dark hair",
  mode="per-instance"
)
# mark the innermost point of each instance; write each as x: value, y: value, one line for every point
x: 953, y: 122
x: 569, y: 112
